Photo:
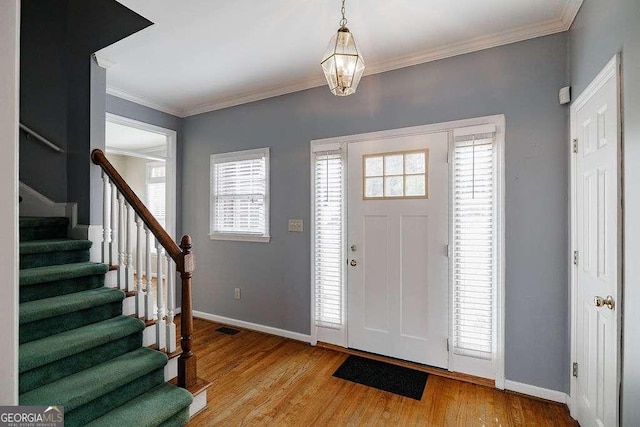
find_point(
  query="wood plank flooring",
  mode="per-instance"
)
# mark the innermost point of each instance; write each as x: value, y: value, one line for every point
x: 263, y: 380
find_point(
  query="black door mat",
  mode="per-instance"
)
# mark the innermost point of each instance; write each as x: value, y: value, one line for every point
x: 228, y: 331
x: 383, y: 376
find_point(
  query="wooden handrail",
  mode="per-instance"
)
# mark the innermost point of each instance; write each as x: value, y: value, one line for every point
x: 98, y: 157
x: 185, y: 264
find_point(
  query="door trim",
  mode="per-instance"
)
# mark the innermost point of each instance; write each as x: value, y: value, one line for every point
x: 611, y: 70
x: 340, y: 337
x: 171, y: 162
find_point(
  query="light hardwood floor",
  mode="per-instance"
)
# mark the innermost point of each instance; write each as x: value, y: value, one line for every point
x: 263, y: 380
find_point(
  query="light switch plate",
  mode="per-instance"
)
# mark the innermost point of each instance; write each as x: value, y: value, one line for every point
x: 296, y: 225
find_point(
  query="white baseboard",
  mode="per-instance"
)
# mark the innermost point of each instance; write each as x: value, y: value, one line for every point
x: 253, y: 326
x: 542, y: 393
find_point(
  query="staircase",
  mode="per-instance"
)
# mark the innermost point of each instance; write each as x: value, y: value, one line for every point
x: 77, y: 350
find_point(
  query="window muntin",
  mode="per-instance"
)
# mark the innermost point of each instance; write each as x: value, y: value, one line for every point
x: 396, y: 175
x: 240, y: 195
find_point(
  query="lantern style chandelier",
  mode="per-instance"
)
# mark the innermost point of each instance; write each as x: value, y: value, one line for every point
x: 342, y: 63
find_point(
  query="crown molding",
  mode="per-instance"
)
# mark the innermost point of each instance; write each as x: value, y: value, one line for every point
x: 570, y: 12
x: 128, y: 96
x: 558, y: 25
x: 103, y: 61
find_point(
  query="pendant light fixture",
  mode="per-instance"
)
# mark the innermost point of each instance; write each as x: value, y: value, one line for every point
x: 342, y: 63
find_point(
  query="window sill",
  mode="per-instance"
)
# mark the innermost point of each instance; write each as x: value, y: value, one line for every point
x: 241, y: 238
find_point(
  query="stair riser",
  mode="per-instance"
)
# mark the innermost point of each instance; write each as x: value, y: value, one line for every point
x: 75, y: 363
x: 42, y: 233
x: 45, y: 259
x: 60, y: 287
x: 54, y: 325
x: 100, y: 406
x: 179, y: 419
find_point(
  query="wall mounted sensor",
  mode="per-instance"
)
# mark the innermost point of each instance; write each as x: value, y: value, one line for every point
x: 565, y: 95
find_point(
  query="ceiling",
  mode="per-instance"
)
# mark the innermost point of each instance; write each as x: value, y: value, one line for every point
x: 203, y: 55
x: 119, y: 138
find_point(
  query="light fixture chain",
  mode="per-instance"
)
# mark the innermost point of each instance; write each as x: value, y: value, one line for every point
x: 343, y: 21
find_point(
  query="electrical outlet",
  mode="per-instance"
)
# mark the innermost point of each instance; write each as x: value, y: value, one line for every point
x: 295, y: 225
x: 237, y: 293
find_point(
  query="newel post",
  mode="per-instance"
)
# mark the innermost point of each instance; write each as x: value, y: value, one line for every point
x: 187, y: 372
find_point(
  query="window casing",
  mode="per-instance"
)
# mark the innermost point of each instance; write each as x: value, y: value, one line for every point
x: 155, y: 194
x: 474, y: 232
x: 328, y: 269
x: 240, y: 196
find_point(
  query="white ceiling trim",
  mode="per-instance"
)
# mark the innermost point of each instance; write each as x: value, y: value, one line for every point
x: 486, y: 42
x: 144, y: 101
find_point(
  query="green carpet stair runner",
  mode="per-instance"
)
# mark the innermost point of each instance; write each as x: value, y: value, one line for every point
x: 77, y: 350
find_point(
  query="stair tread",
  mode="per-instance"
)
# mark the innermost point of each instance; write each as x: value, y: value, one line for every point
x: 55, y: 347
x: 36, y: 221
x: 31, y: 276
x: 149, y: 409
x: 64, y: 304
x: 53, y: 245
x: 83, y: 387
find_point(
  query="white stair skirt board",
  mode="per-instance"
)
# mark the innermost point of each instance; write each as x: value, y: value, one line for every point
x: 35, y: 203
x: 253, y: 326
x: 87, y: 232
x: 542, y: 393
x: 198, y: 404
x: 171, y: 369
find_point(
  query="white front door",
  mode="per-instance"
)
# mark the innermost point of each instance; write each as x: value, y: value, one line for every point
x: 398, y: 232
x: 597, y: 201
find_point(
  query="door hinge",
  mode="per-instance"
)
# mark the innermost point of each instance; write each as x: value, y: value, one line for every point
x: 447, y: 344
x: 448, y: 250
x: 575, y: 369
x: 574, y: 145
x: 575, y: 257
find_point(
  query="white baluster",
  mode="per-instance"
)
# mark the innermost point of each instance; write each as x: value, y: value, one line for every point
x: 139, y: 243
x: 106, y: 219
x: 121, y: 238
x: 160, y: 325
x: 130, y: 285
x: 113, y: 254
x: 150, y: 303
x: 171, y: 305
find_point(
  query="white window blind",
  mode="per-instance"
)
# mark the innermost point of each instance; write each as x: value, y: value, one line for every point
x: 155, y: 191
x: 474, y: 230
x: 328, y: 244
x: 239, y: 193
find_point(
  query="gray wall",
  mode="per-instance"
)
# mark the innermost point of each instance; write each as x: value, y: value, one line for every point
x: 43, y: 96
x: 600, y: 30
x: 63, y: 93
x: 519, y: 80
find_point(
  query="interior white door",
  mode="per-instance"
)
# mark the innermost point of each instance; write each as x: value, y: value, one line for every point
x: 597, y: 192
x: 397, y: 254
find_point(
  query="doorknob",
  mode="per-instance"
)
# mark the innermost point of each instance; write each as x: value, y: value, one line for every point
x: 600, y: 302
x: 353, y: 263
